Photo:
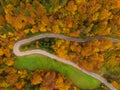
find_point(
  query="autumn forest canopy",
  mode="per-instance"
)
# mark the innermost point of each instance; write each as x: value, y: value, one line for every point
x: 76, y: 18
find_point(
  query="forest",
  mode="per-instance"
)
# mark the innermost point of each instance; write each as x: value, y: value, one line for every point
x: 76, y: 18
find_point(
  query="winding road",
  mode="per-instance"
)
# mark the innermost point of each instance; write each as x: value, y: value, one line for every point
x: 17, y: 52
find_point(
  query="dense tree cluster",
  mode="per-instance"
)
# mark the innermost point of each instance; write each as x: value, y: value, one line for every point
x: 76, y: 18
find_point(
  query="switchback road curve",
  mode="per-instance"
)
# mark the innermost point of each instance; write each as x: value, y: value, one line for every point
x: 17, y: 52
